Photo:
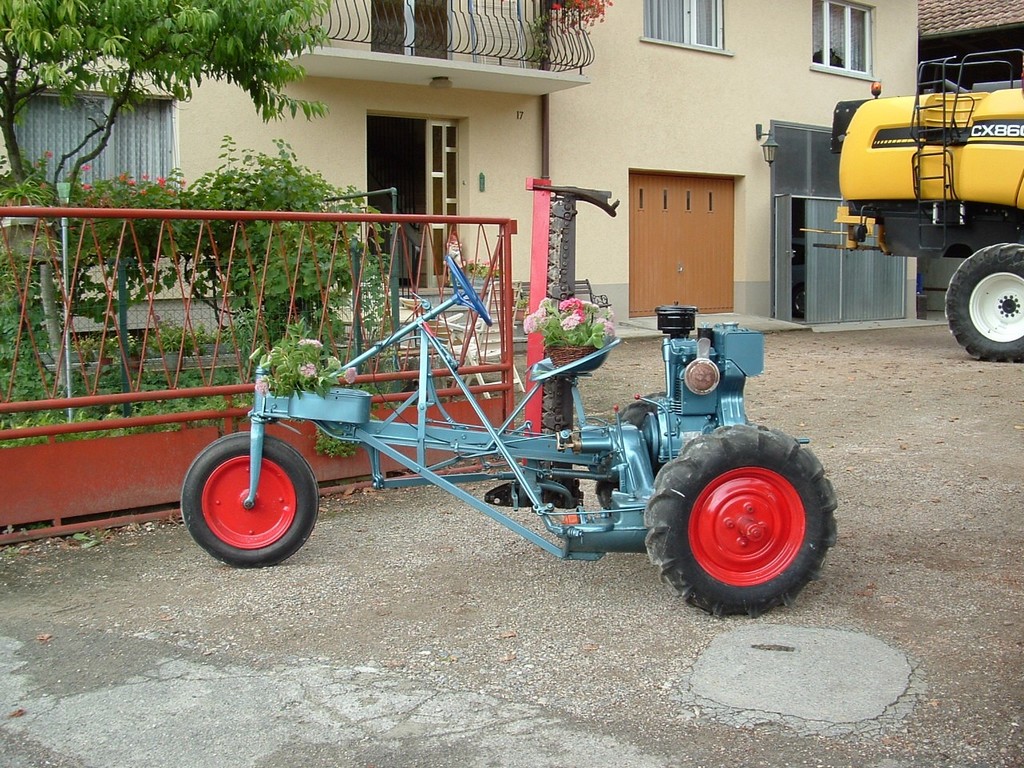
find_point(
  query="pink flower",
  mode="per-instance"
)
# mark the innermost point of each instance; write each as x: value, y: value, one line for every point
x: 530, y: 324
x: 86, y: 168
x: 262, y: 387
x: 311, y: 343
x: 308, y: 370
x: 570, y: 322
x: 349, y: 375
x: 87, y: 186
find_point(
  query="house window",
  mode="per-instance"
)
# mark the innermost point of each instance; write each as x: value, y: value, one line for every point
x: 688, y: 22
x: 141, y: 143
x: 843, y: 30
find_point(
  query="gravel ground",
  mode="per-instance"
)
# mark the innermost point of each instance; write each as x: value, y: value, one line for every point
x: 923, y: 445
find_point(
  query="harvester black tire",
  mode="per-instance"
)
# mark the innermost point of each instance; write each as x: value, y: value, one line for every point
x: 741, y: 520
x: 634, y: 414
x: 287, y: 502
x: 985, y: 304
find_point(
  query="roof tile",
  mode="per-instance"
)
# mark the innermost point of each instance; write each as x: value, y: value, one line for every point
x: 943, y: 16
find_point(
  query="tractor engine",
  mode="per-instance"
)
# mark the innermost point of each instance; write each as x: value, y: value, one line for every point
x: 704, y: 379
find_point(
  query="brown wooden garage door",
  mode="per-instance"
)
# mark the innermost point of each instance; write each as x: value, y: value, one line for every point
x: 680, y: 242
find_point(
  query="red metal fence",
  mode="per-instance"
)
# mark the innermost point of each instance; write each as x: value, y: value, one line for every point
x: 136, y: 329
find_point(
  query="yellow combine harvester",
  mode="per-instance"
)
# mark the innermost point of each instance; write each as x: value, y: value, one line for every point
x: 941, y: 174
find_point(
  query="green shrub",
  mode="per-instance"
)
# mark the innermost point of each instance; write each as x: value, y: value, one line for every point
x: 310, y: 260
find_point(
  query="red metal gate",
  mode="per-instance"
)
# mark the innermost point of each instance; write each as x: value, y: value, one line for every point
x: 136, y: 329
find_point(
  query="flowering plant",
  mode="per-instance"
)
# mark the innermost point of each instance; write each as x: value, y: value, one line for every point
x: 581, y: 13
x: 571, y: 323
x: 34, y: 190
x: 125, y: 191
x: 478, y: 269
x: 298, y: 364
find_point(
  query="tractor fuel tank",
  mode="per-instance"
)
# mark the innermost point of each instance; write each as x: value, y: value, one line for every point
x: 741, y: 346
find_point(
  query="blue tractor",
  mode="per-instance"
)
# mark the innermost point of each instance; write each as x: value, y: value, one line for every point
x: 736, y: 518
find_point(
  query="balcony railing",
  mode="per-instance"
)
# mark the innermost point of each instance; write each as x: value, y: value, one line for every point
x: 504, y: 32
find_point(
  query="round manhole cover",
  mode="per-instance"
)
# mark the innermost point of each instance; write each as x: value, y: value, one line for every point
x: 809, y: 679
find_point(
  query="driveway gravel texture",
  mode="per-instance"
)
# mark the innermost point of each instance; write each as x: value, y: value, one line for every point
x: 414, y: 589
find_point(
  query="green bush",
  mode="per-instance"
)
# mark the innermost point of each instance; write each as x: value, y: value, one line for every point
x: 138, y: 241
x: 308, y: 274
x: 305, y: 261
x: 310, y: 260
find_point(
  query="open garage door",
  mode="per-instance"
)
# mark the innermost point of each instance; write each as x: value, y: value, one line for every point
x: 818, y: 282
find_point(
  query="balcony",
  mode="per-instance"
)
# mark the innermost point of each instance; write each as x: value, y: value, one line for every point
x: 510, y: 46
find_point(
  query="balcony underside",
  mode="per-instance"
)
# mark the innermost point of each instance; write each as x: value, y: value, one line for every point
x: 415, y: 70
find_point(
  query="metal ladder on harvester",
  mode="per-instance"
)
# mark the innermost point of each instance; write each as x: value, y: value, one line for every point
x: 943, y: 115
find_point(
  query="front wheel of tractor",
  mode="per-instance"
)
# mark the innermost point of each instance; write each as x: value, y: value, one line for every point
x: 217, y: 485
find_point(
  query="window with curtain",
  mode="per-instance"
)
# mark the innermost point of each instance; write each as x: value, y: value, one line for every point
x: 688, y: 22
x: 141, y: 143
x: 842, y: 36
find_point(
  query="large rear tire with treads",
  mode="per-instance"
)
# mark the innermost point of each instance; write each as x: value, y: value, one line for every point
x: 741, y: 520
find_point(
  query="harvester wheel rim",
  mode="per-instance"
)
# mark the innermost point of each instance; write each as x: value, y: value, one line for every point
x: 997, y: 307
x: 748, y: 526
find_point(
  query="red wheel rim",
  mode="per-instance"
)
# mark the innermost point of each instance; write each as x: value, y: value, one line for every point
x: 231, y: 522
x: 747, y: 526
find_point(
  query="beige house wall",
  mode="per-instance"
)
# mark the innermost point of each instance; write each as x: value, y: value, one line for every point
x: 649, y: 107
x: 660, y: 107
x: 499, y: 136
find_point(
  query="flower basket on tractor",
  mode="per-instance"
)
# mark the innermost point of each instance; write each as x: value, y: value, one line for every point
x: 737, y: 518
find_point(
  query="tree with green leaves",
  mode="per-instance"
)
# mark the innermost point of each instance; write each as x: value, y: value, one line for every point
x: 130, y: 50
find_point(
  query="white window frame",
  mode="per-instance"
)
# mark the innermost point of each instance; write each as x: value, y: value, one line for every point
x: 822, y: 38
x: 678, y: 22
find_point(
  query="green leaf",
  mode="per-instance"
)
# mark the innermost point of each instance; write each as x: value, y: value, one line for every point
x: 74, y: 45
x: 85, y: 540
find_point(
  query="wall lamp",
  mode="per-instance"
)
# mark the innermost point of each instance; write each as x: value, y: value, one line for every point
x: 769, y: 146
